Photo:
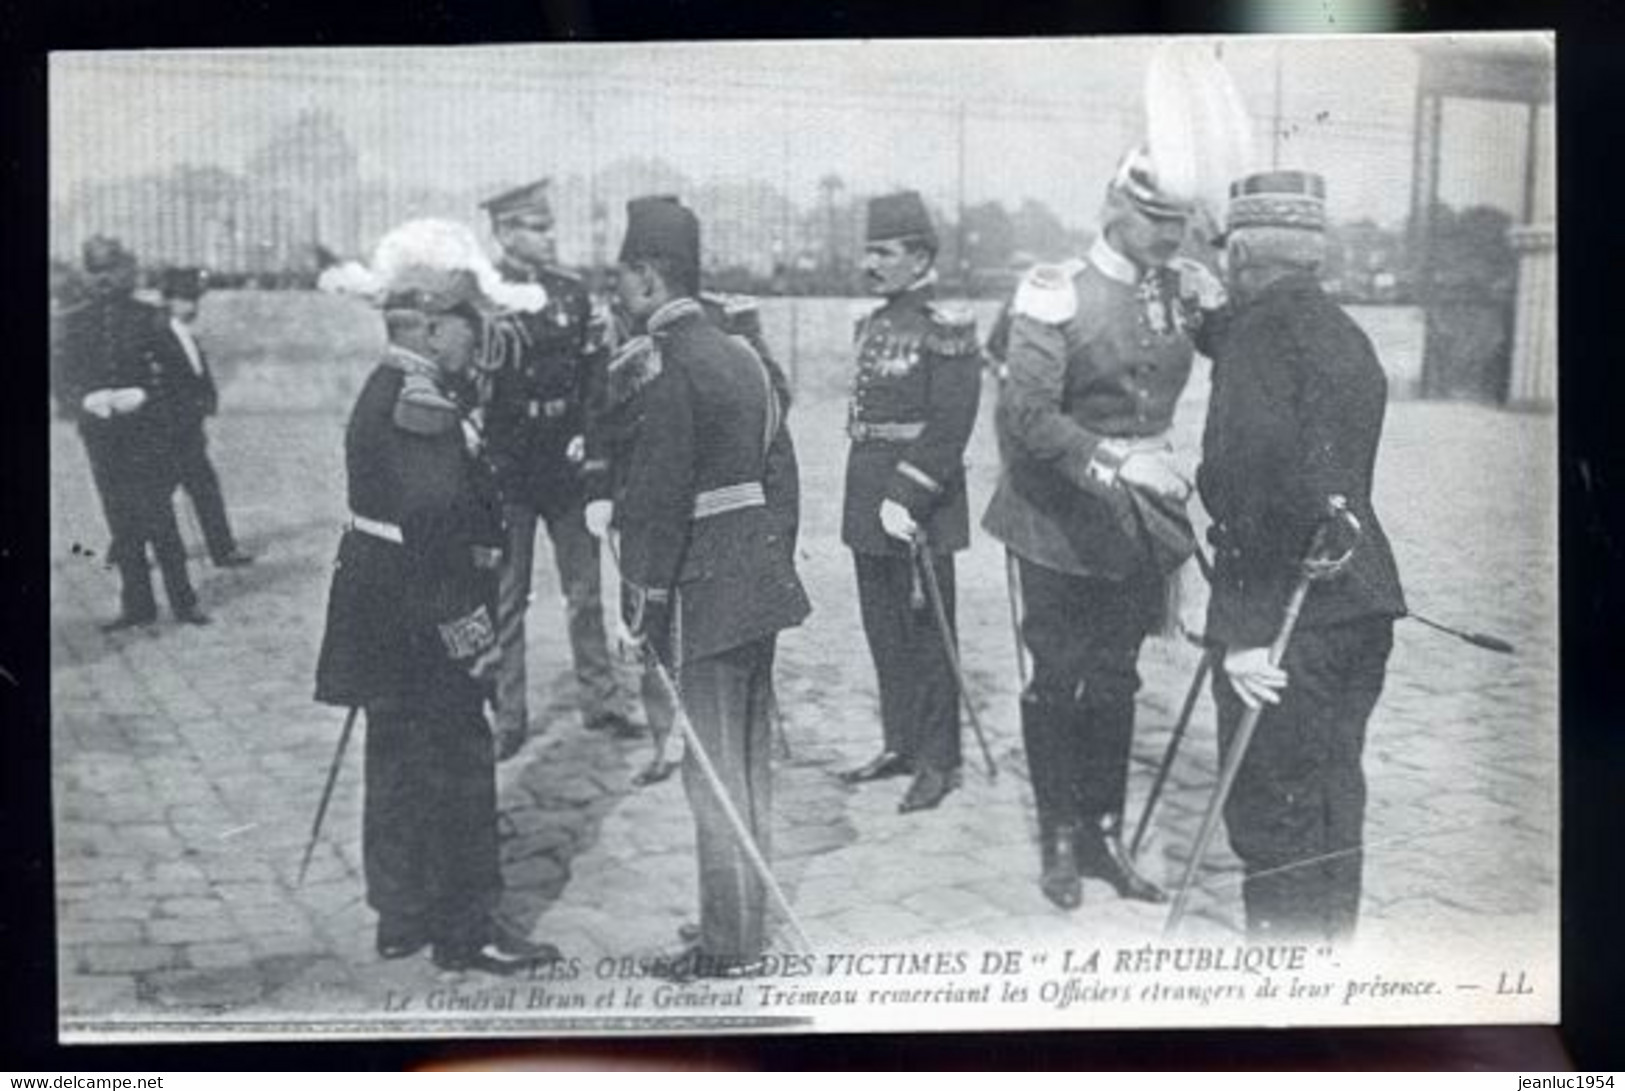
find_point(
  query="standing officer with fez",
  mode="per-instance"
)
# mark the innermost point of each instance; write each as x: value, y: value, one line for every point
x: 1291, y: 437
x: 108, y: 372
x: 535, y: 418
x: 704, y: 520
x: 411, y: 635
x: 914, y: 401
x: 1092, y: 505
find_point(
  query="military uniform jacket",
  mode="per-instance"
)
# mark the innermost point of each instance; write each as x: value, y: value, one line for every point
x: 915, y: 395
x: 111, y: 343
x: 414, y: 588
x: 615, y: 414
x: 535, y: 403
x: 707, y: 514
x: 1096, y: 350
x: 1295, y: 419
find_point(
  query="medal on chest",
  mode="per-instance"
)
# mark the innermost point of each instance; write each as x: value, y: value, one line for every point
x: 1159, y: 310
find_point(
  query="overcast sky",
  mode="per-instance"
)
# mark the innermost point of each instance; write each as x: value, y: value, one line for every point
x: 1045, y: 119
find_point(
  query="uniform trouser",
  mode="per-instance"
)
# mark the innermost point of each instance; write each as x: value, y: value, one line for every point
x: 575, y: 553
x: 429, y: 830
x: 1084, y: 634
x: 136, y: 500
x: 1296, y: 813
x: 728, y: 698
x: 919, y: 700
x: 202, y: 485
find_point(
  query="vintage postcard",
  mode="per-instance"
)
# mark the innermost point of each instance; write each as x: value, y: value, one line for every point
x: 804, y: 536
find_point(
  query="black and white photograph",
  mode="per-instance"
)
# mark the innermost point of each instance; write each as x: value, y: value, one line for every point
x: 804, y: 536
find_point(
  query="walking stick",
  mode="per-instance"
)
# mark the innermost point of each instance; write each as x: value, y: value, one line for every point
x: 1314, y: 568
x: 922, y: 559
x: 1012, y: 583
x: 327, y: 792
x: 747, y: 844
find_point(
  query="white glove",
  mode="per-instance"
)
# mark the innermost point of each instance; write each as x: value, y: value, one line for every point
x: 1255, y: 681
x: 1156, y: 471
x: 128, y: 399
x: 598, y: 516
x: 896, y: 521
x: 99, y: 403
x: 1196, y: 282
x: 577, y: 450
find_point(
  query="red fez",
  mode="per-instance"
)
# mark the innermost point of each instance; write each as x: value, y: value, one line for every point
x: 898, y: 216
x: 660, y: 227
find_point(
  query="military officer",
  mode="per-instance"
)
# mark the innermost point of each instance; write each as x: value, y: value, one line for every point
x: 107, y: 372
x: 704, y: 518
x: 411, y: 633
x: 915, y: 394
x: 535, y: 419
x: 1091, y: 503
x: 1292, y: 430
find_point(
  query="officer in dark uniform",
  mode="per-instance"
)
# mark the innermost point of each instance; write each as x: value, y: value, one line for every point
x: 107, y: 373
x: 704, y: 522
x: 914, y: 400
x: 411, y: 635
x: 536, y: 419
x: 614, y: 420
x: 1293, y: 426
x: 1092, y: 504
x: 194, y: 399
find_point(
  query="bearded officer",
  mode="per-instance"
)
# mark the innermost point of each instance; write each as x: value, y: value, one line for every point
x: 1292, y: 430
x: 704, y: 522
x: 914, y: 400
x: 1091, y: 503
x: 535, y: 419
x: 411, y: 635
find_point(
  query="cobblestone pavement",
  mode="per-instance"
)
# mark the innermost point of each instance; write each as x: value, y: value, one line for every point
x: 188, y: 762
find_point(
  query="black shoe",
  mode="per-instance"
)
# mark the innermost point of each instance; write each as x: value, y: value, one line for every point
x: 657, y: 770
x: 1102, y: 856
x: 1060, y: 881
x: 930, y: 787
x: 884, y: 765
x: 193, y: 616
x: 400, y: 938
x: 503, y: 957
x: 128, y: 621
x: 689, y: 932
x: 235, y: 559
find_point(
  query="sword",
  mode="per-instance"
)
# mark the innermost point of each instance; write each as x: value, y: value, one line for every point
x: 922, y: 560
x: 1191, y: 697
x: 327, y: 792
x: 1314, y: 568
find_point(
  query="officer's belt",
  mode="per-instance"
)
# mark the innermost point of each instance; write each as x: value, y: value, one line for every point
x: 746, y: 494
x: 890, y: 431
x: 377, y: 528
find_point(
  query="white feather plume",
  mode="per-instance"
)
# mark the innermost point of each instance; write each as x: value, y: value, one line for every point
x: 438, y: 244
x: 1197, y: 127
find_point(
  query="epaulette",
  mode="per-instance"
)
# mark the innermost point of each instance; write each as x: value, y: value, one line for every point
x: 1047, y: 294
x: 952, y: 331
x: 422, y: 409
x: 634, y: 366
x: 733, y: 305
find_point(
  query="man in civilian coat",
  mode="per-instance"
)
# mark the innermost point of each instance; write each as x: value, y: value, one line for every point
x: 1292, y: 432
x: 915, y: 394
x: 106, y: 372
x: 411, y: 634
x: 194, y: 398
x: 705, y: 517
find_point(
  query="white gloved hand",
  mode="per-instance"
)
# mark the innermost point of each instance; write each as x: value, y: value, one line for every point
x: 1252, y: 676
x: 896, y: 521
x: 128, y: 399
x: 577, y: 450
x: 598, y: 516
x: 99, y: 403
x: 1156, y: 471
x: 1198, y: 283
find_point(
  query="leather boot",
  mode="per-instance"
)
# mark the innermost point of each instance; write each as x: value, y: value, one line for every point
x: 1043, y: 727
x: 1061, y: 882
x: 1103, y: 856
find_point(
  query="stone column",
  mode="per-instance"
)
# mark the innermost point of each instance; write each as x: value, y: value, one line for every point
x: 1533, y: 382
